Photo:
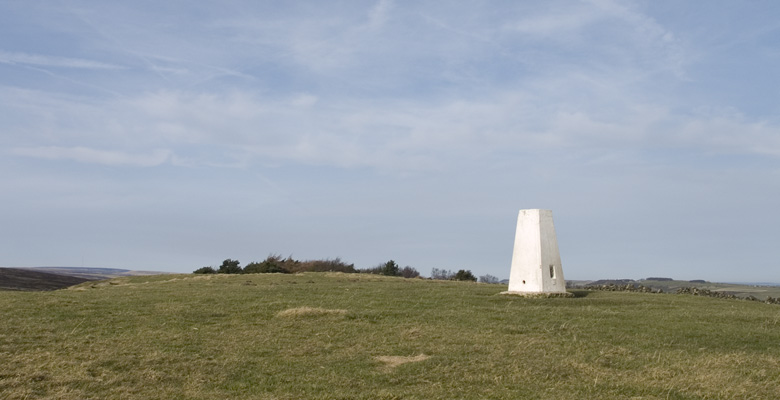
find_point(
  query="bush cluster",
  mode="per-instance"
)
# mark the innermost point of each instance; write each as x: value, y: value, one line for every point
x: 447, y: 275
x: 390, y: 268
x: 277, y: 264
x: 464, y: 275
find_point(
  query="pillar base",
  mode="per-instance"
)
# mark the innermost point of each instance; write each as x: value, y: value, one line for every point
x: 538, y: 294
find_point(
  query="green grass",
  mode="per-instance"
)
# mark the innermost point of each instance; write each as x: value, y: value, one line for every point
x: 338, y: 336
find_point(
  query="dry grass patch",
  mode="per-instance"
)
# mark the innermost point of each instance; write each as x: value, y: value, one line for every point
x: 412, y: 333
x: 309, y: 312
x: 391, y: 362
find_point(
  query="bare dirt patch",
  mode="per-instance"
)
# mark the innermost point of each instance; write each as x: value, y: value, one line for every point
x: 391, y: 362
x: 412, y: 333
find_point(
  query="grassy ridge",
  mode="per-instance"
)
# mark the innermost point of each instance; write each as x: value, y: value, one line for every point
x: 338, y: 336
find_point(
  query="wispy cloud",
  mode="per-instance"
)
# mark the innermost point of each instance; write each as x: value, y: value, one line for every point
x: 555, y: 23
x: 53, y: 61
x: 239, y: 129
x: 95, y: 156
x: 650, y: 35
x: 378, y: 15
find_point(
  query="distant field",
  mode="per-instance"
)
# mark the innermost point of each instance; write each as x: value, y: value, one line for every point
x: 53, y: 278
x: 740, y: 290
x: 337, y: 336
x: 94, y: 273
x: 28, y: 279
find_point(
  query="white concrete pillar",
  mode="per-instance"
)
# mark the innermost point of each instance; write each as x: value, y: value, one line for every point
x: 536, y: 262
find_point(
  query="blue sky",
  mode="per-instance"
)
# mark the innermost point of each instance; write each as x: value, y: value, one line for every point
x: 172, y: 135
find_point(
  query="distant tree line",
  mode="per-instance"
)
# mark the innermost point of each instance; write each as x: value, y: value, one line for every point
x: 275, y: 263
x: 447, y: 275
x: 390, y: 268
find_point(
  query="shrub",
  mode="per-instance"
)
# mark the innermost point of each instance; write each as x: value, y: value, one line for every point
x: 409, y: 272
x: 274, y: 263
x: 488, y: 279
x: 464, y: 275
x: 264, y: 268
x: 205, y: 270
x: 391, y: 268
x: 326, y: 265
x: 230, y: 267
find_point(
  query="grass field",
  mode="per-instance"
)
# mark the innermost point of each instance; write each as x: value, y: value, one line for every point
x: 338, y: 336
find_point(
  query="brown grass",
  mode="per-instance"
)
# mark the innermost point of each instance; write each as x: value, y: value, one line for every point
x: 394, y: 361
x: 309, y: 312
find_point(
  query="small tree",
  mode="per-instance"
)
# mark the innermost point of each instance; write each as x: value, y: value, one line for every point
x: 409, y: 272
x: 230, y: 267
x: 464, y: 275
x: 390, y: 268
x: 205, y: 270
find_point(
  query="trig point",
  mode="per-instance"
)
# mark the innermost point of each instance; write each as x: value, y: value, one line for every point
x: 536, y: 263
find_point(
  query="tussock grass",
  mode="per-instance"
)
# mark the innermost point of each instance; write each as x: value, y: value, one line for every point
x: 186, y: 336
